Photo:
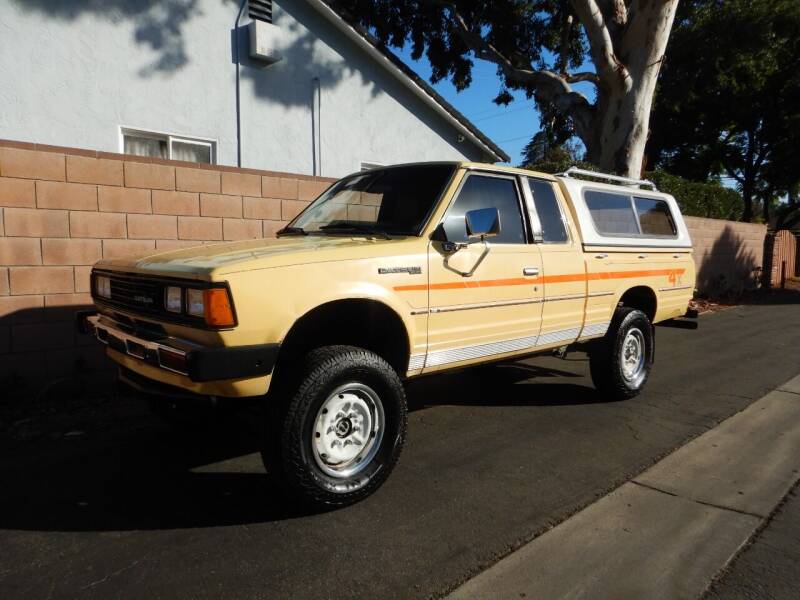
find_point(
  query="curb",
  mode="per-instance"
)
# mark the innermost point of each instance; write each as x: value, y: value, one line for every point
x: 668, y: 532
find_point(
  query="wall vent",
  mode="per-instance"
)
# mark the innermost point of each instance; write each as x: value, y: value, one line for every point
x: 260, y: 10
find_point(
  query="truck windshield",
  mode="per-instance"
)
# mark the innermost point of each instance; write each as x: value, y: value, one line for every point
x: 390, y: 201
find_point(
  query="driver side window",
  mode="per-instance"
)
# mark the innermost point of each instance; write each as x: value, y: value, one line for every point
x: 482, y: 191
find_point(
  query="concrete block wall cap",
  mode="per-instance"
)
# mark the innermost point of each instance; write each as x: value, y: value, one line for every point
x: 66, y: 150
x: 31, y: 164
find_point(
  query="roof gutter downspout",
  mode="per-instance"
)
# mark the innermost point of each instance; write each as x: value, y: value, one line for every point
x: 238, y: 103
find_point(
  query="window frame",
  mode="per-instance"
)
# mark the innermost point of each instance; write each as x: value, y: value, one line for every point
x: 672, y: 220
x: 169, y: 138
x: 630, y: 195
x: 526, y: 228
x: 534, y: 213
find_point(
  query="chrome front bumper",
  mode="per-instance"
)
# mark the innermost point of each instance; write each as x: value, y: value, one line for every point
x: 164, y: 352
x: 176, y: 355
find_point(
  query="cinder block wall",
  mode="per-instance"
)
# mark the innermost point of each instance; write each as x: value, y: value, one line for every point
x: 728, y: 254
x: 62, y: 209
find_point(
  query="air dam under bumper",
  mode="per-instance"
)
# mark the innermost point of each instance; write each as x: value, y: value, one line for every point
x: 198, y: 363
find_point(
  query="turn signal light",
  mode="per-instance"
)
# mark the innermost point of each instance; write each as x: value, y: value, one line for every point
x: 218, y: 309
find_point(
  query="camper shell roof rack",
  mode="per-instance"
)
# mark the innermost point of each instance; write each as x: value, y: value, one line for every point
x: 572, y: 172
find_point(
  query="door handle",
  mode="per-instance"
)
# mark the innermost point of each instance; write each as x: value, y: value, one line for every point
x: 643, y: 256
x: 604, y: 255
x: 530, y: 271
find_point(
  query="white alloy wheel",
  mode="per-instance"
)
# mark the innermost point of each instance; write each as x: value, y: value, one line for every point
x: 348, y: 430
x: 632, y: 360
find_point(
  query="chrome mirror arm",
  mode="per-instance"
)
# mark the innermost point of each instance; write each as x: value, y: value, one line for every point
x: 474, y: 268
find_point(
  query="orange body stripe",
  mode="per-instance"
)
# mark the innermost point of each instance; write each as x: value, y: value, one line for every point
x: 458, y: 285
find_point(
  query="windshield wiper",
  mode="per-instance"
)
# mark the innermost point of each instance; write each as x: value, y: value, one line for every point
x: 354, y: 227
x: 291, y: 231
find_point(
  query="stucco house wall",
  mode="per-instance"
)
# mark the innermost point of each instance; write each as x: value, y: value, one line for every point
x: 74, y: 72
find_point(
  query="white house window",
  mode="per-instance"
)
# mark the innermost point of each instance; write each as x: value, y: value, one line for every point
x: 163, y: 145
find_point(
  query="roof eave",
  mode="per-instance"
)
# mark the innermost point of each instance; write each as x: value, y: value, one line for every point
x: 412, y: 81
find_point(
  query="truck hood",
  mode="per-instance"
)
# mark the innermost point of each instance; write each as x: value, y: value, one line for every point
x: 229, y: 257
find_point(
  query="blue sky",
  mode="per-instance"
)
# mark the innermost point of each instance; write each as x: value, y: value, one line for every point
x: 510, y: 127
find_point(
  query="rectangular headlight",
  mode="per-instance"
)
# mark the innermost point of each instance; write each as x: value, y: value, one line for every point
x: 173, y: 299
x: 195, y: 302
x: 103, y: 286
x: 213, y: 304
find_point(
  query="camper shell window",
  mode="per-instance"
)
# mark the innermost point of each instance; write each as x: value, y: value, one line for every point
x: 617, y: 214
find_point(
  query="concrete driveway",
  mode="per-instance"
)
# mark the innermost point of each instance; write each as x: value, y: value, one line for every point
x: 494, y: 457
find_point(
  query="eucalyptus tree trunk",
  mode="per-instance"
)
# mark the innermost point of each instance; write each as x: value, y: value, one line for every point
x: 628, y: 49
x: 627, y: 40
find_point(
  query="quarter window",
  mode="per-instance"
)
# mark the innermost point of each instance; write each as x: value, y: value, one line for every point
x: 612, y: 213
x: 655, y: 217
x: 546, y: 203
x: 480, y: 191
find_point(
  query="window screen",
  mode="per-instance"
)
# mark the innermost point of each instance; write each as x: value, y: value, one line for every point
x: 655, y: 217
x: 612, y: 213
x: 546, y: 203
x: 485, y: 192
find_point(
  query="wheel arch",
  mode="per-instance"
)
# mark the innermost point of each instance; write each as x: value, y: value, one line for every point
x: 641, y: 297
x: 363, y: 322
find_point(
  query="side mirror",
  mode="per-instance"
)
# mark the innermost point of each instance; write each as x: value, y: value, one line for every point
x: 483, y: 222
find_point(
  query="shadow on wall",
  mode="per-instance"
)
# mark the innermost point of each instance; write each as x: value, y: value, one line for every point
x: 42, y: 354
x: 729, y: 268
x: 312, y: 49
x: 159, y: 24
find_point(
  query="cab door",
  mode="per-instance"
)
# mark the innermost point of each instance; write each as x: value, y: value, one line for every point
x: 563, y: 266
x: 484, y: 299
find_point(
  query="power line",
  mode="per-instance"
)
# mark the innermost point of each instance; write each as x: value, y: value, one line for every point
x: 503, y: 113
x: 514, y: 139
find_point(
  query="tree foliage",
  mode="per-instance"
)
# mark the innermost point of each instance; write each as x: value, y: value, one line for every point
x: 540, y: 47
x: 728, y: 100
x: 699, y: 198
x: 538, y: 156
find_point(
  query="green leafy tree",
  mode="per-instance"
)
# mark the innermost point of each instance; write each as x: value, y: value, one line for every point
x: 700, y: 198
x: 539, y: 46
x: 728, y: 101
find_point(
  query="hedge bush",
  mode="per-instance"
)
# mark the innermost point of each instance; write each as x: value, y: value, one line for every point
x: 696, y: 199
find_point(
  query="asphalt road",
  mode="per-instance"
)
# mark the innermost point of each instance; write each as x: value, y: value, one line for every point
x: 494, y: 457
x: 768, y: 568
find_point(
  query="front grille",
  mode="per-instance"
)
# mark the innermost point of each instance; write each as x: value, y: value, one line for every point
x: 144, y: 295
x: 140, y: 294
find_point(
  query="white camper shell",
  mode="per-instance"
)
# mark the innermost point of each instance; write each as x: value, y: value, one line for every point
x: 623, y: 214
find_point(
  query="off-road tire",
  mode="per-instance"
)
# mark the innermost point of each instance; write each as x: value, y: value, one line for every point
x: 287, y: 449
x: 606, y: 355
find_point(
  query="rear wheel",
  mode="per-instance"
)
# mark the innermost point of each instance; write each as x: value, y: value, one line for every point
x: 620, y: 363
x: 339, y: 433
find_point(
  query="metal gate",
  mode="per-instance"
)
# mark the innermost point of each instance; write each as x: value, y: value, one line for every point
x: 780, y: 257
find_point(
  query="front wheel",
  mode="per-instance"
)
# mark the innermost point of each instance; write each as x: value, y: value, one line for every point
x: 341, y: 431
x: 621, y: 362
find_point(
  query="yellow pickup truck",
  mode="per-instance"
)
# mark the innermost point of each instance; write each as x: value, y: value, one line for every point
x: 391, y: 274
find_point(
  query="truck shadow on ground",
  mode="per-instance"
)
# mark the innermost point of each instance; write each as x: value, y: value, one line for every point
x: 142, y: 475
